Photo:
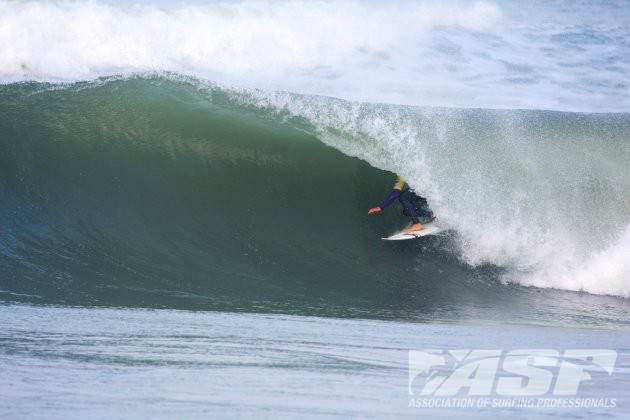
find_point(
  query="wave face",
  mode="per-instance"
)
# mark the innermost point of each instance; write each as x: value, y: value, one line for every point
x: 548, y: 55
x: 153, y: 192
x: 120, y: 191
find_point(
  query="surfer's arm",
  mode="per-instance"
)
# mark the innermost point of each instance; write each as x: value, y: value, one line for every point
x: 389, y: 200
x: 398, y: 187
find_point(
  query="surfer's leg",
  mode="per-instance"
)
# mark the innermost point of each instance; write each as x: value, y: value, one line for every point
x: 416, y: 206
x: 406, y: 199
x: 415, y: 225
x: 414, y: 228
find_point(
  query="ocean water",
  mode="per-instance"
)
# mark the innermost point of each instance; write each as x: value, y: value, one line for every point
x: 69, y: 362
x: 184, y: 188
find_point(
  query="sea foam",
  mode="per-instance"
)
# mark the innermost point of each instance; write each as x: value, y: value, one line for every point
x: 458, y: 54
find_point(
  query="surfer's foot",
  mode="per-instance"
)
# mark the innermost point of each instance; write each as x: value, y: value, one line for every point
x: 414, y: 228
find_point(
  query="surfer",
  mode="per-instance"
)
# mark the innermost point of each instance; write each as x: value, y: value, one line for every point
x: 414, y: 206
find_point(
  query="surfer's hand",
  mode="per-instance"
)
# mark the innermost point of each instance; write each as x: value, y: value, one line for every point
x: 374, y: 210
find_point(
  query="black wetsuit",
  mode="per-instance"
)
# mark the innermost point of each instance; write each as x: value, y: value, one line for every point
x: 414, y: 206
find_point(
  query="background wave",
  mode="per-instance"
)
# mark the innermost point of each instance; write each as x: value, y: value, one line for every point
x: 486, y: 54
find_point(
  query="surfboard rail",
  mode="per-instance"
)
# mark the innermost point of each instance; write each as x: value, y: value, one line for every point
x: 428, y: 229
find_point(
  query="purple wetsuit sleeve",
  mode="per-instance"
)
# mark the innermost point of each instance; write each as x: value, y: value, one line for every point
x: 390, y: 199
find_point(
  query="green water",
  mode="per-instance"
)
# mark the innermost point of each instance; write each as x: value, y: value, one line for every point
x: 153, y: 193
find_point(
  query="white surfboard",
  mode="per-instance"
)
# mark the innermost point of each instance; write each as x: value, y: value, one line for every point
x: 428, y: 229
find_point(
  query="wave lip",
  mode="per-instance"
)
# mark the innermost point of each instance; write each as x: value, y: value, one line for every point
x: 544, y: 195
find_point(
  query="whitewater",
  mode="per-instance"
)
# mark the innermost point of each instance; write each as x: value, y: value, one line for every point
x: 547, y: 55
